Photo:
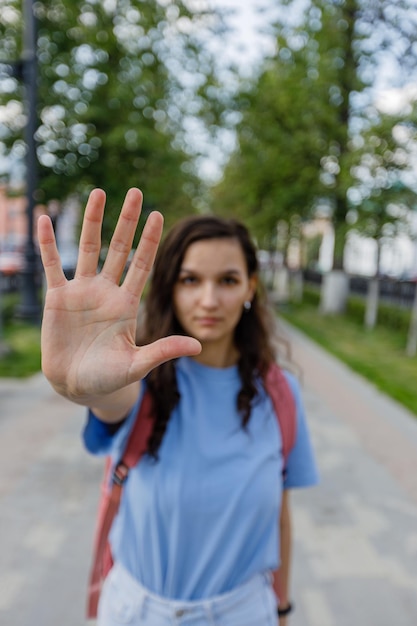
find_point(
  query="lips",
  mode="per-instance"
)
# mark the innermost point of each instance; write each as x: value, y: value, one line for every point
x: 207, y: 321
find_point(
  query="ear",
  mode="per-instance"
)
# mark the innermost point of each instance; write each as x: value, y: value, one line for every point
x: 253, y: 284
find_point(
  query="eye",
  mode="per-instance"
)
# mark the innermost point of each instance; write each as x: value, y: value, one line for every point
x: 229, y: 280
x: 188, y: 280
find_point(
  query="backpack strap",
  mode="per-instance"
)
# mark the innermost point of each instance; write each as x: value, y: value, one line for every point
x: 283, y: 402
x: 111, y: 493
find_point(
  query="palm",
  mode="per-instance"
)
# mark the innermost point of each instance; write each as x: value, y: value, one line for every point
x: 89, y: 323
x: 102, y: 330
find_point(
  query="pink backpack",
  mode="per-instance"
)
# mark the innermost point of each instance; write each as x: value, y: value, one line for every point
x: 282, y: 398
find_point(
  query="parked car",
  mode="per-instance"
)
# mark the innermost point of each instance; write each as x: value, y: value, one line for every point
x: 11, y: 262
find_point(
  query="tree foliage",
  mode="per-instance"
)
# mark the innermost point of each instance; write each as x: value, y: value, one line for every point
x: 118, y: 81
x: 383, y: 191
x: 309, y: 116
x: 273, y: 174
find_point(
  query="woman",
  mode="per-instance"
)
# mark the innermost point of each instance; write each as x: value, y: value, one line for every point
x: 195, y: 539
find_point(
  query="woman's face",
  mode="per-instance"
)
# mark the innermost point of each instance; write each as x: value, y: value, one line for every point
x: 211, y: 289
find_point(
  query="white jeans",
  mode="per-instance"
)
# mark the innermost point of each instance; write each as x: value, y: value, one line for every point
x: 124, y: 601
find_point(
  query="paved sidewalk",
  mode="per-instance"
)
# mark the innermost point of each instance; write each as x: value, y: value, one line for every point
x: 48, y: 498
x: 355, y: 534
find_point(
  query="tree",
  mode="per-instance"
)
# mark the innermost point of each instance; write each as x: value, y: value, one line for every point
x: 381, y: 198
x: 117, y: 81
x: 349, y: 41
x: 320, y: 86
x: 272, y: 175
x: 353, y: 40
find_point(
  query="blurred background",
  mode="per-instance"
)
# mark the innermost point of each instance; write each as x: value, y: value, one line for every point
x: 298, y: 117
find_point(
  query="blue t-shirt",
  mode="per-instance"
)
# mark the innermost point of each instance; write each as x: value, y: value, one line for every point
x: 203, y: 519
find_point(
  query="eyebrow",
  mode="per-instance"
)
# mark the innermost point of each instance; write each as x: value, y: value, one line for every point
x: 185, y: 270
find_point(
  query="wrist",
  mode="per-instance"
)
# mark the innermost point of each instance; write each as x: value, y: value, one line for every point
x: 114, y: 407
x: 107, y: 406
x: 285, y: 609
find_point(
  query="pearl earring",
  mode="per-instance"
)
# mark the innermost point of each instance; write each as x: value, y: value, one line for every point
x: 247, y: 305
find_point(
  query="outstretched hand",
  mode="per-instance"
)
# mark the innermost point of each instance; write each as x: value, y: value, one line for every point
x: 89, y: 323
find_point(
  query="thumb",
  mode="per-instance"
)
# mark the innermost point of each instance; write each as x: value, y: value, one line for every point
x: 162, y: 350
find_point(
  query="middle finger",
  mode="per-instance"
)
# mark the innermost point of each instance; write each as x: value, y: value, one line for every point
x: 122, y: 239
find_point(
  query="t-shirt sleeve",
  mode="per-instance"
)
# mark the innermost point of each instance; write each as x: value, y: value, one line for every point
x: 301, y: 470
x: 100, y: 438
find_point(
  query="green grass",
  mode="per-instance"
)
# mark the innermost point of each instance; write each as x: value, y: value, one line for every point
x: 378, y: 355
x: 20, y: 351
x: 23, y: 355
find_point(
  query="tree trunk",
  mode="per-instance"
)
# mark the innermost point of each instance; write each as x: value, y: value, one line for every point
x: 411, y: 349
x: 281, y: 286
x: 4, y: 348
x: 296, y: 286
x: 334, y: 292
x: 372, y: 300
x: 339, y: 236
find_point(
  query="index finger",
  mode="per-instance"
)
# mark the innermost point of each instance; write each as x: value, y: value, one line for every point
x: 145, y: 254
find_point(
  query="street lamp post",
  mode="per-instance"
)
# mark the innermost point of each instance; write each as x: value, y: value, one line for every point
x: 29, y: 307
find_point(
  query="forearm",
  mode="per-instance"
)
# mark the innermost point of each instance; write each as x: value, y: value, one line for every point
x: 282, y: 575
x: 115, y: 406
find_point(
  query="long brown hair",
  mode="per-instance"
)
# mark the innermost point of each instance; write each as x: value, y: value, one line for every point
x: 254, y: 333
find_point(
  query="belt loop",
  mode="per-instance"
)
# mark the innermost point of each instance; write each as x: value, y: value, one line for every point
x: 208, y: 607
x: 142, y: 605
x: 176, y: 616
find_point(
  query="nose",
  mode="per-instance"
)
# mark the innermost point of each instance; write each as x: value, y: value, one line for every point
x: 208, y: 297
